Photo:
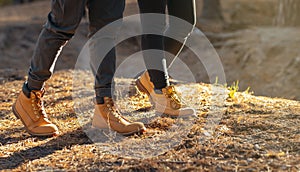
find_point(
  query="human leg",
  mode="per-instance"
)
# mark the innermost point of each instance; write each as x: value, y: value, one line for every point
x: 152, y: 44
x: 169, y: 102
x: 62, y: 22
x: 102, y: 13
x: 60, y: 27
x: 179, y: 10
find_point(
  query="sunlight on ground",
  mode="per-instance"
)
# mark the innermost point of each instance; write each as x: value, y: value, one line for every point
x: 250, y: 133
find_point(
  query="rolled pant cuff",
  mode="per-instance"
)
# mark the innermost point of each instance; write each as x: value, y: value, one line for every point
x: 26, y: 90
x: 103, y: 92
x: 160, y: 84
x: 34, y: 84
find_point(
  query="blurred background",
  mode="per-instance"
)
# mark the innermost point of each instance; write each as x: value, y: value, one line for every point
x: 258, y: 41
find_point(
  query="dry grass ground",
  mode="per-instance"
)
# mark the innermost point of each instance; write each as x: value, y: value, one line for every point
x: 251, y: 133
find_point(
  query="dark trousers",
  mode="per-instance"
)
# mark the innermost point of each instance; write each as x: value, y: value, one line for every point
x: 183, y: 9
x: 63, y: 20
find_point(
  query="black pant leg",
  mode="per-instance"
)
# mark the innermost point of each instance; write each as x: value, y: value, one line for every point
x: 62, y: 22
x: 181, y: 9
x: 102, y: 13
x: 151, y: 42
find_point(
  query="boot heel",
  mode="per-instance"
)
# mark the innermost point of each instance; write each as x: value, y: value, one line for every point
x: 99, y: 122
x: 14, y: 111
x: 141, y: 87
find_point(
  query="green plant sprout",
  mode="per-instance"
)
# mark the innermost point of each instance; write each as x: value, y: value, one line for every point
x: 233, y: 89
x: 217, y: 80
x: 247, y: 91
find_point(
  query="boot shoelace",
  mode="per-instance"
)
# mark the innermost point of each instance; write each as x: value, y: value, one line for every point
x: 111, y: 109
x: 171, y: 93
x: 37, y: 104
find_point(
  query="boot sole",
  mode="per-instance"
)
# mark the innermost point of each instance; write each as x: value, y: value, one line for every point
x: 103, y: 126
x: 31, y: 133
x: 141, y: 88
x: 140, y: 132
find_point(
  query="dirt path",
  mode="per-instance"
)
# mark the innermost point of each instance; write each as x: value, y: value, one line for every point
x: 251, y: 134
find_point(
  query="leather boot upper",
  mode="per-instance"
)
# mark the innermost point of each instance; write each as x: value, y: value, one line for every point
x: 107, y: 116
x: 32, y: 114
x: 169, y: 102
x: 147, y: 85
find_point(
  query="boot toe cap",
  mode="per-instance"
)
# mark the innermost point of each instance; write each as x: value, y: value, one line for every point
x: 134, y: 128
x: 182, y: 112
x: 45, y: 130
x: 187, y: 112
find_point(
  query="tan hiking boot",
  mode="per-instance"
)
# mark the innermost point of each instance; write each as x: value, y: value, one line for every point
x: 107, y: 116
x: 144, y: 83
x: 169, y: 102
x: 31, y: 112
